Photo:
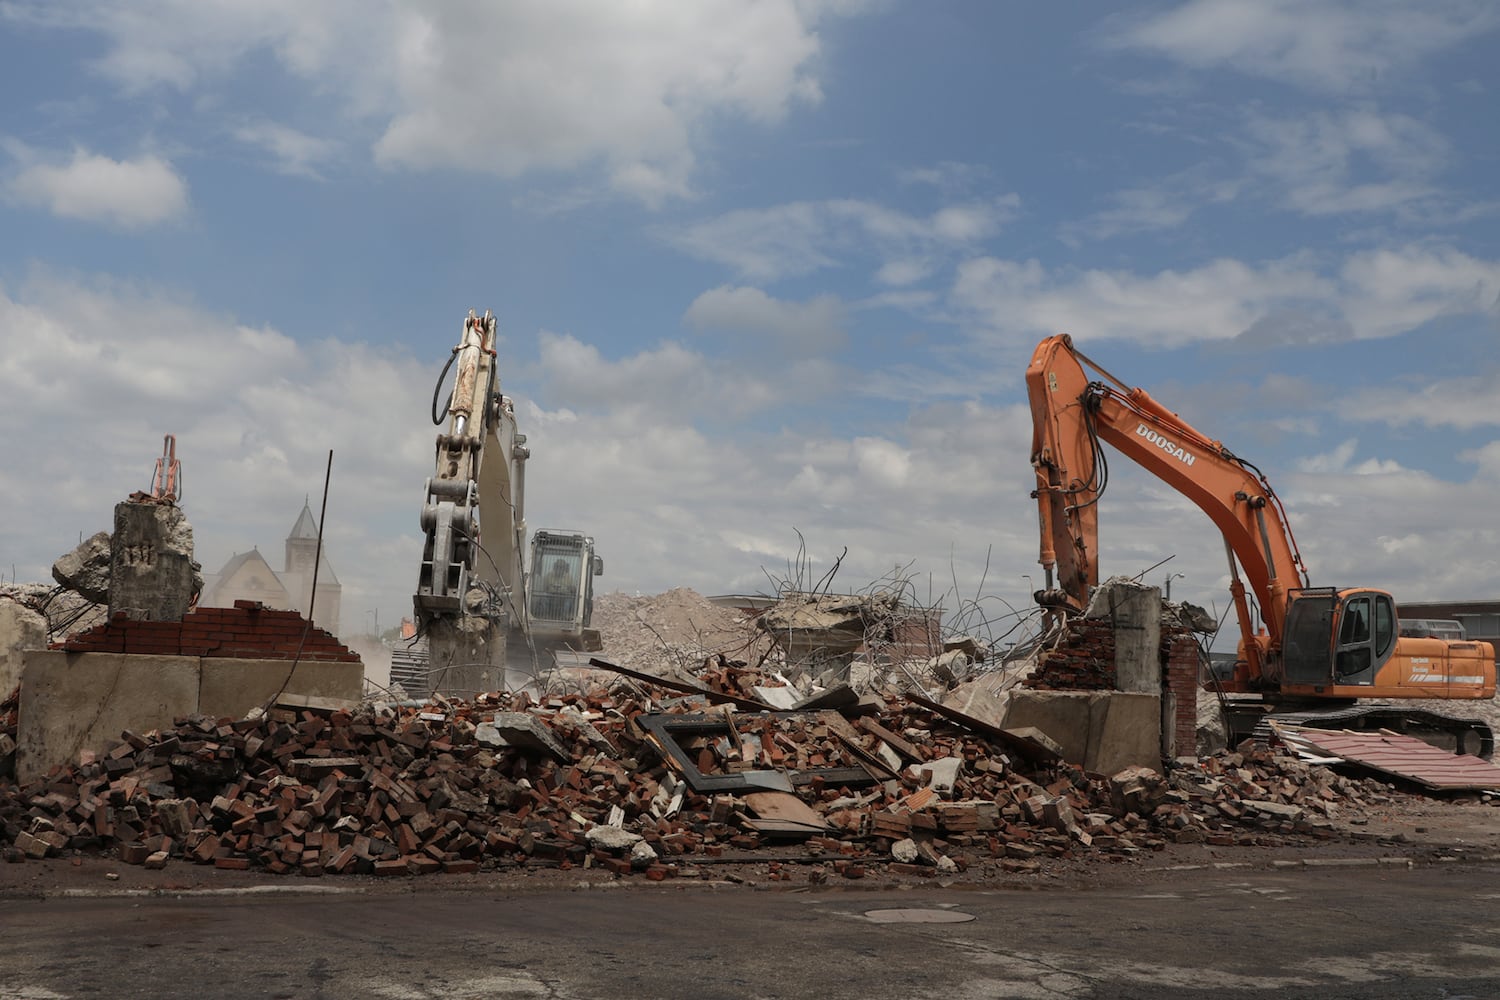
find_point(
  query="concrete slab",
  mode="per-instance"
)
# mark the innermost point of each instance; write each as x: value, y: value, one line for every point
x: 231, y: 686
x: 1101, y: 731
x: 76, y: 701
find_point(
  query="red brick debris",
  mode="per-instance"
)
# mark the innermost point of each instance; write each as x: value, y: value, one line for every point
x: 385, y: 790
x: 246, y: 631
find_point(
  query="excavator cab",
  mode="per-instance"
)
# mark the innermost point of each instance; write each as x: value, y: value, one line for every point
x: 561, y: 591
x: 1341, y: 638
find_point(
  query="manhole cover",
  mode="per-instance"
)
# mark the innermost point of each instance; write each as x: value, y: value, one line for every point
x: 909, y: 916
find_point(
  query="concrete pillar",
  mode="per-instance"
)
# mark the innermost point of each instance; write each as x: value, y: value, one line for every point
x: 1135, y: 611
x: 152, y: 575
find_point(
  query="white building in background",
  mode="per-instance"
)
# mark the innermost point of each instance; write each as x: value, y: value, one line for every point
x: 247, y: 576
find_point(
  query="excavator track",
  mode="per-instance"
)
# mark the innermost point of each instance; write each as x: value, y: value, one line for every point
x: 1460, y: 735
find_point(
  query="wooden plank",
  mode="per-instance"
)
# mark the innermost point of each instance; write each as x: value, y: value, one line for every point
x: 1029, y: 745
x: 840, y: 727
x: 782, y: 805
x: 714, y: 697
x: 901, y: 746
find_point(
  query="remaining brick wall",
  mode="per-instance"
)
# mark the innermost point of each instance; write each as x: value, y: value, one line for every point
x: 1180, y: 660
x: 1085, y: 661
x: 246, y: 631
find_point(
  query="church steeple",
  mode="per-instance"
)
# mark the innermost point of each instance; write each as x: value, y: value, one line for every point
x: 302, y: 543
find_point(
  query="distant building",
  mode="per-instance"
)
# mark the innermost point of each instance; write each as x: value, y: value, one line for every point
x: 1480, y: 619
x: 248, y: 577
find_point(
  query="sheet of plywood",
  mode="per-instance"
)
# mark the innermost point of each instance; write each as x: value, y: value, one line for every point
x: 783, y: 808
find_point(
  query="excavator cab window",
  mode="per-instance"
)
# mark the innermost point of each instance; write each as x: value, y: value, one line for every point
x: 1385, y: 627
x: 554, y: 580
x: 1357, y: 644
x: 1309, y: 644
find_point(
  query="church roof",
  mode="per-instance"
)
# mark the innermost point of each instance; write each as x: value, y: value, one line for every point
x: 305, y: 527
x: 236, y: 561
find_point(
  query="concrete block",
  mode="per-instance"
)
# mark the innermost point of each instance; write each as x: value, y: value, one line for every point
x: 86, y: 568
x: 231, y: 686
x: 525, y: 732
x: 76, y: 701
x: 944, y: 771
x: 1100, y: 731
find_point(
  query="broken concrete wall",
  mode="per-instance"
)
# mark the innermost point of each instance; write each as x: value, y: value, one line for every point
x: 1100, y: 731
x: 141, y: 675
x: 72, y: 702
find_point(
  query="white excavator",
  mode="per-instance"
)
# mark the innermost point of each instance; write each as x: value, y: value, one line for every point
x: 493, y: 622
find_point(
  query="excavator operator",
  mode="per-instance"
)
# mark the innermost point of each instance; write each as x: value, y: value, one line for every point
x: 555, y: 598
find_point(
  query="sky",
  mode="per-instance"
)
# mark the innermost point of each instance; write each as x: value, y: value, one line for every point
x: 767, y: 275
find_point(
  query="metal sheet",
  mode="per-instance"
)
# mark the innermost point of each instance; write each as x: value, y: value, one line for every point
x: 1403, y: 756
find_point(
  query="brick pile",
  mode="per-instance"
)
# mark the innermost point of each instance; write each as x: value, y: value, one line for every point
x: 385, y: 790
x: 247, y: 631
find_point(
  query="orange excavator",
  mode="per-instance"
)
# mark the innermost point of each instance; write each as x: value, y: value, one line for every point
x: 1314, y: 651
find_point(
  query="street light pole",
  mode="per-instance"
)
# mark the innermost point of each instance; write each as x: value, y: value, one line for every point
x: 1170, y: 578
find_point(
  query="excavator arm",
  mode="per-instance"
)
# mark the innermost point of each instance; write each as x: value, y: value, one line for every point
x: 471, y: 584
x: 490, y: 624
x: 1073, y: 414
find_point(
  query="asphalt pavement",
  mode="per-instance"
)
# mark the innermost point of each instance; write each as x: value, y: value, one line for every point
x: 1358, y: 932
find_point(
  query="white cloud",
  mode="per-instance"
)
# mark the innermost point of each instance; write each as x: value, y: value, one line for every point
x: 903, y: 272
x: 1341, y: 461
x: 1391, y: 291
x: 254, y: 413
x: 788, y: 328
x: 126, y: 194
x: 1330, y: 45
x: 614, y: 451
x: 1135, y: 210
x: 802, y: 237
x: 1353, y: 160
x: 1357, y: 160
x: 499, y: 88
x: 293, y: 152
x: 1217, y: 301
x: 1374, y: 294
x: 883, y: 462
x: 1459, y: 402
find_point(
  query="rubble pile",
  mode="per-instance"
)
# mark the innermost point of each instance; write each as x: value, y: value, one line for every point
x: 669, y: 634
x: 639, y: 779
